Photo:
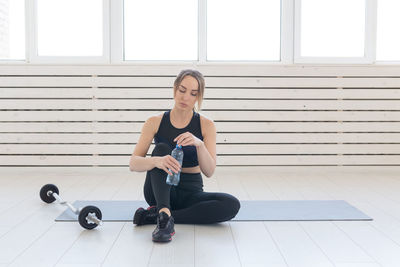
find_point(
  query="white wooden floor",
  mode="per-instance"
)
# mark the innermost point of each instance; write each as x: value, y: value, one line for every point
x: 30, y: 237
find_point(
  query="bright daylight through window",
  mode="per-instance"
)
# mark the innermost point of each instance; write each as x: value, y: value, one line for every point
x: 160, y: 30
x: 243, y: 30
x: 332, y: 28
x: 388, y: 37
x: 93, y: 31
x: 70, y: 27
x: 12, y: 29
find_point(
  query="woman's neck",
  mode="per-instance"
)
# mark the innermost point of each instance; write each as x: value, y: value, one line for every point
x: 180, y: 115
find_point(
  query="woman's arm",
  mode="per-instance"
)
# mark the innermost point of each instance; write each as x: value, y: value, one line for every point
x: 206, y: 151
x: 138, y: 161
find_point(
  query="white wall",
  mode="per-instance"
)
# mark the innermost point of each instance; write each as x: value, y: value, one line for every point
x: 77, y: 115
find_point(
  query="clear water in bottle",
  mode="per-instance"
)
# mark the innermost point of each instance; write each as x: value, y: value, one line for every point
x: 177, y: 153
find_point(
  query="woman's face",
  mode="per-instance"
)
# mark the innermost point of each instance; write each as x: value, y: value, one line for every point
x: 186, y: 94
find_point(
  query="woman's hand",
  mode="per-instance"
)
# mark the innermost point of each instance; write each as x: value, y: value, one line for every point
x: 167, y: 162
x: 188, y: 139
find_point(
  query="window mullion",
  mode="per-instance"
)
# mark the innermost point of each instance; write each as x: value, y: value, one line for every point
x: 370, y: 30
x: 202, y: 34
x: 116, y: 31
x: 31, y: 30
x: 106, y: 31
x: 287, y: 31
x: 297, y: 29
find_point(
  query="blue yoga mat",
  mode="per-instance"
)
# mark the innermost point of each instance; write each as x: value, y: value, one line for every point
x: 264, y: 210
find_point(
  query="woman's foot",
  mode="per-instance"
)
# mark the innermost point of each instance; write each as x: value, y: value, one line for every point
x: 165, y: 228
x: 148, y: 216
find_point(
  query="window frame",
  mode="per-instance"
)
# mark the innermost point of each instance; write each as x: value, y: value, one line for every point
x: 32, y: 37
x: 284, y: 21
x: 113, y: 40
x: 369, y: 39
x: 286, y: 54
x: 381, y: 62
x: 119, y: 41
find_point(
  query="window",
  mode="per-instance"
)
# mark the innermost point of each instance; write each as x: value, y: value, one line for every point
x: 332, y: 28
x: 388, y: 38
x: 70, y: 27
x: 12, y: 29
x: 243, y: 30
x: 200, y: 31
x: 160, y: 30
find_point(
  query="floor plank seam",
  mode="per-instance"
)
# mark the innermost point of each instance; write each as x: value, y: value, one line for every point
x: 244, y: 188
x: 234, y: 242
x: 276, y: 244
x: 383, y: 195
x: 113, y: 244
x: 289, y: 184
x: 384, y: 234
x: 66, y: 251
x: 264, y: 181
x: 371, y: 243
x: 120, y: 187
x: 358, y: 245
x: 384, y: 212
x: 34, y: 241
x: 23, y: 221
x: 151, y: 253
x: 367, y: 200
x: 316, y: 244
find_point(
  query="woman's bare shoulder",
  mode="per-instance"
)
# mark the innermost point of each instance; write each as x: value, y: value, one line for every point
x: 154, y: 121
x: 156, y: 117
x: 207, y: 124
x: 205, y: 119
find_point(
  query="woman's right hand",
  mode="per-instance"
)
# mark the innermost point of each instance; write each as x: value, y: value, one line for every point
x: 167, y: 162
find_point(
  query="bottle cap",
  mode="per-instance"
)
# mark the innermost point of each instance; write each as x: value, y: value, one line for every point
x: 178, y: 146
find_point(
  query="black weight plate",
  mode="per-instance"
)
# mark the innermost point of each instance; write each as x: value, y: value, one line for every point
x: 45, y: 189
x: 85, y: 212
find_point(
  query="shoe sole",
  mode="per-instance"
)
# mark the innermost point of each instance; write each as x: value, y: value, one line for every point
x: 172, y: 234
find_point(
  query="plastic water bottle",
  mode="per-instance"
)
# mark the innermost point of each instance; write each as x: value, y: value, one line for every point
x: 177, y: 154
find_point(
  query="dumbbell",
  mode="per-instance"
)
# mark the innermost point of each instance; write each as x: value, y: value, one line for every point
x: 89, y: 217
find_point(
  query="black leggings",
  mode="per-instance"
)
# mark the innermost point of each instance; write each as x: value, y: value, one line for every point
x: 188, y: 203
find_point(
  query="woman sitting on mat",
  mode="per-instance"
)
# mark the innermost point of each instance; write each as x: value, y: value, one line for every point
x: 186, y: 203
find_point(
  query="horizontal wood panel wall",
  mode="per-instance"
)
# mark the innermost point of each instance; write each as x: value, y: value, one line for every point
x: 265, y: 115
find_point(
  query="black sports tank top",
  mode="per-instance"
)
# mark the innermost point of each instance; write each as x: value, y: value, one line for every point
x: 167, y: 132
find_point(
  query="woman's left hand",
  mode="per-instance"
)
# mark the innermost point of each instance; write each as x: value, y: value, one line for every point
x: 188, y: 139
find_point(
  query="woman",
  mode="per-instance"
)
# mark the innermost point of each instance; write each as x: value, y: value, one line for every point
x: 187, y: 202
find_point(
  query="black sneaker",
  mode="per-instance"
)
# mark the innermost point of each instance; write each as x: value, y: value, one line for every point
x: 165, y: 228
x: 148, y: 216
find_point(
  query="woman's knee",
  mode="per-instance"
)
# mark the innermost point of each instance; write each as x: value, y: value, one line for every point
x: 235, y: 204
x: 161, y: 149
x: 231, y: 206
